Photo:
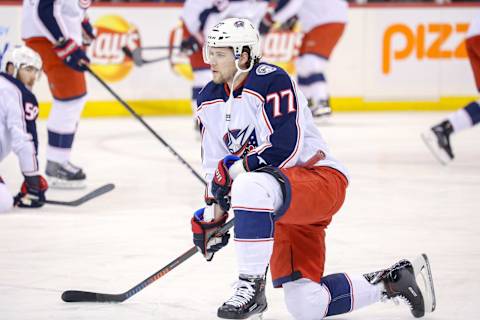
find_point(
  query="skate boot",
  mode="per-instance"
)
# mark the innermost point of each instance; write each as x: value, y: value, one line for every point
x: 248, y: 299
x: 437, y: 140
x: 65, y: 176
x: 320, y: 108
x: 399, y: 281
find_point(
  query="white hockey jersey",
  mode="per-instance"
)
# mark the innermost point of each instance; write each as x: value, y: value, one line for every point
x: 201, y: 15
x: 54, y: 19
x: 270, y: 124
x: 312, y: 12
x: 18, y: 132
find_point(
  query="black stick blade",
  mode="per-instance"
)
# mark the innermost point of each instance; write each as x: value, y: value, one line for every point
x: 85, y: 296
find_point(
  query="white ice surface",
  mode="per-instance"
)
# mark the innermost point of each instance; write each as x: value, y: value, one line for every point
x: 400, y: 202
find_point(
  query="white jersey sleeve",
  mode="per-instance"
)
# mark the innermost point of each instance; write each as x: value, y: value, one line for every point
x: 13, y: 129
x: 53, y: 19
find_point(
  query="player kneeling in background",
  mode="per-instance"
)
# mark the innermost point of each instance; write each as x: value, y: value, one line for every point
x: 18, y: 132
x: 267, y: 161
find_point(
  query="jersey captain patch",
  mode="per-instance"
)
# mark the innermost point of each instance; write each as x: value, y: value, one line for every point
x: 264, y: 69
x: 241, y: 141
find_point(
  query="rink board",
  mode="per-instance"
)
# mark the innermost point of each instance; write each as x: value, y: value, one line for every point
x: 393, y: 58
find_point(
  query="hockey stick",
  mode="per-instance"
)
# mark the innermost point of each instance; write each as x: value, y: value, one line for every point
x: 136, y: 56
x: 123, y: 103
x: 89, y: 196
x: 87, y: 296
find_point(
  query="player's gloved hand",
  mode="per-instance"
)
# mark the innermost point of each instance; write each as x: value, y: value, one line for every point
x: 222, y: 182
x: 266, y: 23
x: 72, y: 55
x: 32, y: 192
x: 203, y: 232
x: 189, y: 45
x: 88, y: 33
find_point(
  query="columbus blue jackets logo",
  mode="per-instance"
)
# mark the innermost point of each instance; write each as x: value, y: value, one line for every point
x: 241, y: 141
x: 264, y: 69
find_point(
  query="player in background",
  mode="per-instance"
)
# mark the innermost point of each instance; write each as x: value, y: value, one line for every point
x: 57, y: 29
x: 322, y: 23
x: 266, y: 160
x: 200, y: 15
x: 437, y: 138
x: 20, y: 68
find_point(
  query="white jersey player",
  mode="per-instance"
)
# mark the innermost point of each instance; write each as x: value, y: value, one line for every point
x: 200, y: 15
x: 322, y: 23
x: 57, y: 29
x: 18, y: 132
x: 437, y: 138
x: 269, y: 163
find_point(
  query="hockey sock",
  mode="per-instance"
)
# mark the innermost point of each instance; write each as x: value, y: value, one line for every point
x: 465, y: 118
x: 311, y: 76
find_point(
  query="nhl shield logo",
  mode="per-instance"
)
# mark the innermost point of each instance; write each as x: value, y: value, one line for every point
x: 239, y: 24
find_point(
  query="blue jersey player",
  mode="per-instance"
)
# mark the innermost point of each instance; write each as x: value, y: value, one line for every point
x: 267, y: 163
x: 18, y: 132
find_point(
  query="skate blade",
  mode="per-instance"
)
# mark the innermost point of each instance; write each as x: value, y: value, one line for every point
x: 56, y: 183
x: 423, y: 276
x: 430, y: 140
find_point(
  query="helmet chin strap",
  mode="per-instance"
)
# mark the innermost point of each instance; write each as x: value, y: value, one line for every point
x: 228, y: 112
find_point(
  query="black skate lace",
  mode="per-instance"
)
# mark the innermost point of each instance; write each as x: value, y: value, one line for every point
x: 244, y: 292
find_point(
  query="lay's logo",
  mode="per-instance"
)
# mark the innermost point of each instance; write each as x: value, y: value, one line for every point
x: 431, y: 41
x: 107, y: 57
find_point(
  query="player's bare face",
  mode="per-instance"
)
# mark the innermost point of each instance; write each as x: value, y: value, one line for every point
x: 28, y: 75
x: 222, y: 64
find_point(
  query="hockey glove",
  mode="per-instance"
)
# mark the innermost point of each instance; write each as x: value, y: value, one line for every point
x: 72, y: 55
x: 203, y: 232
x: 266, y: 23
x: 32, y: 192
x: 222, y: 182
x: 189, y: 45
x: 88, y: 33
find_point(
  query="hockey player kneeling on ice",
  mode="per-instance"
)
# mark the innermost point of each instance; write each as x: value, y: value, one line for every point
x: 18, y: 132
x: 266, y: 160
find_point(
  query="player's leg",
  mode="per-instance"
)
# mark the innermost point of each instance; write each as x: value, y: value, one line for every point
x: 6, y: 198
x: 311, y: 65
x: 438, y: 137
x: 255, y: 196
x: 342, y: 293
x: 335, y: 294
x: 68, y: 88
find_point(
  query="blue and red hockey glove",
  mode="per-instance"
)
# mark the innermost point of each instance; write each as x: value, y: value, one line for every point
x: 32, y: 192
x: 72, y: 55
x: 88, y: 33
x: 203, y: 232
x: 222, y: 181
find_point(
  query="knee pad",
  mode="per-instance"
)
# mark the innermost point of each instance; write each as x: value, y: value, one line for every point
x: 306, y: 300
x: 308, y: 64
x: 64, y: 115
x: 6, y: 199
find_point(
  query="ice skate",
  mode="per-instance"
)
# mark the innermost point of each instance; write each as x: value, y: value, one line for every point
x: 320, y: 108
x: 437, y: 140
x: 65, y: 176
x: 248, y: 300
x: 400, y: 281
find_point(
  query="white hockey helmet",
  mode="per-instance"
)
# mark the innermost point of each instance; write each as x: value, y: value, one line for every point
x: 20, y: 57
x: 235, y: 33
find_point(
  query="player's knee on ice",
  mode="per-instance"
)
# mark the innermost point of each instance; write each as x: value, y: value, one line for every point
x: 306, y: 299
x: 256, y: 190
x: 6, y: 199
